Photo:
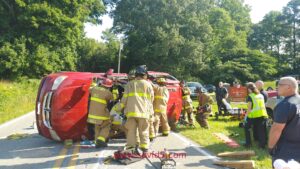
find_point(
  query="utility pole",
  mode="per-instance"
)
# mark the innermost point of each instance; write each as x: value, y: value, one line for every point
x: 119, y: 62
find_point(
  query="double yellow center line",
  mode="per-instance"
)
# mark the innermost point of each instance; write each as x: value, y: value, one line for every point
x: 62, y: 155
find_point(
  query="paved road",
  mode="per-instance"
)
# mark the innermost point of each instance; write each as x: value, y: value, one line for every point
x: 35, y: 152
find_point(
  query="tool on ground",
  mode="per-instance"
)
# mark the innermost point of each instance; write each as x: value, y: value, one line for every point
x: 167, y: 162
x: 127, y: 156
x: 183, y: 122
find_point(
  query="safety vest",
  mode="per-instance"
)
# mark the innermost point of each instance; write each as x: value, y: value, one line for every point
x: 99, y: 99
x: 138, y: 99
x: 115, y: 93
x: 258, y: 106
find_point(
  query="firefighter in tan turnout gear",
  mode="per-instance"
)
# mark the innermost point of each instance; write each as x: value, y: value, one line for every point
x: 137, y: 102
x: 161, y: 97
x: 204, y: 107
x: 187, y: 103
x: 98, y: 112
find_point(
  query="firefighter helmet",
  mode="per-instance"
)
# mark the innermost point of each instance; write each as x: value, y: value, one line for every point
x: 107, y: 82
x: 141, y: 70
x: 182, y: 82
x: 161, y: 80
x: 131, y: 74
x: 200, y: 90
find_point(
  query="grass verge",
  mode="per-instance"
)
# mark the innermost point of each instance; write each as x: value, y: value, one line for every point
x: 228, y: 127
x: 17, y: 98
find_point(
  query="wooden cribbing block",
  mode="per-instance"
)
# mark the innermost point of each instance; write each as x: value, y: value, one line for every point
x: 242, y: 164
x: 238, y: 154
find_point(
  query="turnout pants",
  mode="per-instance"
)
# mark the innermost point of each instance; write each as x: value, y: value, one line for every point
x: 152, y: 133
x: 188, y: 112
x: 161, y: 118
x: 140, y: 125
x: 102, y: 130
x: 201, y: 118
x: 259, y: 126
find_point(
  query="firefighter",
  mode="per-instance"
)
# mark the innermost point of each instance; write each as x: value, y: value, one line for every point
x: 98, y: 112
x: 161, y: 97
x: 137, y: 103
x: 204, y: 107
x: 187, y: 103
x: 131, y: 76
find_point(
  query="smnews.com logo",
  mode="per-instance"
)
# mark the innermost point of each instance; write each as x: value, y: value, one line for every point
x: 160, y: 154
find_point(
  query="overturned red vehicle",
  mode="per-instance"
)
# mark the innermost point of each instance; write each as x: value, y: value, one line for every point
x: 62, y: 102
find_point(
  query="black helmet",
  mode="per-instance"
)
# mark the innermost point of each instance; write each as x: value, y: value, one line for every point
x: 141, y: 70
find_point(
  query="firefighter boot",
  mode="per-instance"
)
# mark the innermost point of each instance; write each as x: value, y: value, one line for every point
x: 100, y: 144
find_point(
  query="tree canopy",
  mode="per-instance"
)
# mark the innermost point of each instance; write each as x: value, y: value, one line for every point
x: 39, y: 37
x: 206, y: 40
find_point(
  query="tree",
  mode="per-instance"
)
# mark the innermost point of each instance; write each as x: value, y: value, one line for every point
x: 52, y: 31
x: 267, y: 35
x: 98, y: 56
x: 292, y: 17
x: 13, y: 58
x: 186, y: 38
x: 172, y: 32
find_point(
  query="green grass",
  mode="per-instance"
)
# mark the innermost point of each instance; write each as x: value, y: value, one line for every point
x: 226, y: 126
x: 17, y: 98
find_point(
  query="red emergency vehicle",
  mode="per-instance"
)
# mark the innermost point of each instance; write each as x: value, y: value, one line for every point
x: 62, y: 102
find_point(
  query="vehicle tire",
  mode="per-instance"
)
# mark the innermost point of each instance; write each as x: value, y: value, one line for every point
x: 270, y: 89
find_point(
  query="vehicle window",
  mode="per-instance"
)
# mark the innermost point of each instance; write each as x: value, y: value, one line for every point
x: 189, y: 84
x: 167, y: 77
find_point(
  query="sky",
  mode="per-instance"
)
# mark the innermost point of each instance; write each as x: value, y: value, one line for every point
x: 258, y: 10
x: 261, y: 7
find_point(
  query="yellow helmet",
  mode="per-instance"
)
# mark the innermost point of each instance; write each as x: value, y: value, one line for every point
x: 161, y: 80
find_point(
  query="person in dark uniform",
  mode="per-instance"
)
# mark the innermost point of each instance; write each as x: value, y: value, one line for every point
x: 284, y: 137
x: 221, y: 93
x: 256, y: 116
